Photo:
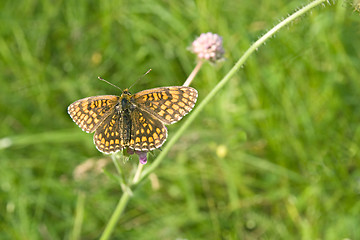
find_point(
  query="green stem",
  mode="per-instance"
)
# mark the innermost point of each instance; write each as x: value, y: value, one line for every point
x: 138, y: 173
x: 126, y: 195
x: 79, y: 216
x: 116, y: 215
x: 227, y: 77
x: 121, y: 177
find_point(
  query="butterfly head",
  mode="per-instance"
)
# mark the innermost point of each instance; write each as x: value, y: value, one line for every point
x: 125, y: 99
x: 126, y: 92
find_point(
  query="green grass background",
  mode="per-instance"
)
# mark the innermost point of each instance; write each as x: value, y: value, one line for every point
x: 274, y: 156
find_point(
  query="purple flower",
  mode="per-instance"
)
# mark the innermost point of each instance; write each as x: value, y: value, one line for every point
x: 209, y: 47
x: 142, y: 155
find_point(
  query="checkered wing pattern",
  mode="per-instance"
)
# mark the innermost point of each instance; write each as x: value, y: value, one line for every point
x: 88, y: 113
x: 110, y: 136
x: 169, y: 104
x: 147, y: 132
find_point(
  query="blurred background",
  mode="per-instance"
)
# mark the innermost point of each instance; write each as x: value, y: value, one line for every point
x: 275, y: 155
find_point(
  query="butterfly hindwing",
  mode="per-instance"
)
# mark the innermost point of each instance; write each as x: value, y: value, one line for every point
x: 109, y: 136
x: 147, y: 132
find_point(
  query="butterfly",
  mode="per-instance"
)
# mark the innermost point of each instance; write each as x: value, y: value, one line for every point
x: 136, y: 121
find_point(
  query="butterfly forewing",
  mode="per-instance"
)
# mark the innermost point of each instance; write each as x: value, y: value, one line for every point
x: 169, y: 104
x: 88, y: 113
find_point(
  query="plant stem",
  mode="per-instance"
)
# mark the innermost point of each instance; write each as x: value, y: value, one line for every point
x: 116, y: 215
x: 126, y: 194
x: 223, y: 81
x: 138, y: 173
x: 79, y: 216
x: 193, y: 73
x: 121, y: 177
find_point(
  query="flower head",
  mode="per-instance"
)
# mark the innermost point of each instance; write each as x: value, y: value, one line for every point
x: 142, y: 155
x: 209, y: 47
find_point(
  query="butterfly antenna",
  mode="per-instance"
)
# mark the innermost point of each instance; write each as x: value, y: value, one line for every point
x: 140, y: 78
x: 109, y: 83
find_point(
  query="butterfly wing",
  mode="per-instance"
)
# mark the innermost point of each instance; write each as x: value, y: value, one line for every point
x: 147, y: 132
x: 110, y: 136
x: 88, y: 113
x: 169, y: 104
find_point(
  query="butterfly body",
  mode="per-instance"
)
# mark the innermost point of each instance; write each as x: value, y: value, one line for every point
x: 134, y: 121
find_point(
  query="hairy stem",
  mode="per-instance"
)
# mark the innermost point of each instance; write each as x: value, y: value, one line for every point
x: 223, y: 81
x: 126, y: 195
